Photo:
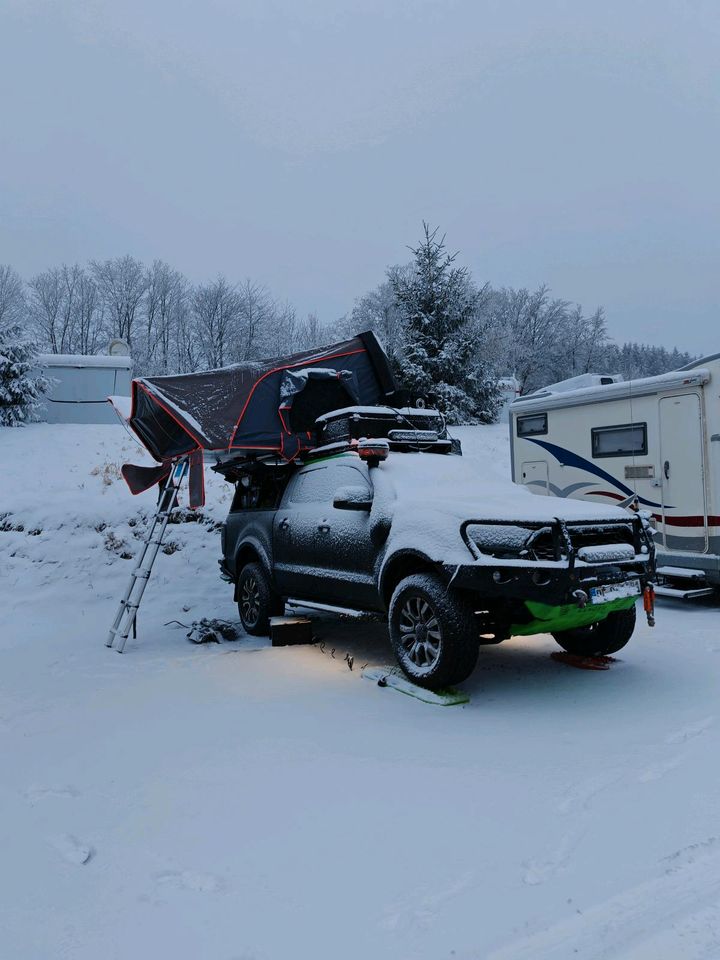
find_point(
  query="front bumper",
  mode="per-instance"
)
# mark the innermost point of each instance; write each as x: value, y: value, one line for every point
x: 552, y: 584
x: 559, y: 581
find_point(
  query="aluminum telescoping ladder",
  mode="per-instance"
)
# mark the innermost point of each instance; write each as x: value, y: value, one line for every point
x: 128, y: 608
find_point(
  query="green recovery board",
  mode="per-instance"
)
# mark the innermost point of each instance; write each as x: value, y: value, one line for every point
x: 569, y: 616
x: 385, y: 677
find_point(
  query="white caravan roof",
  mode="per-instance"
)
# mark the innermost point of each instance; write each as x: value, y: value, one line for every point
x: 551, y: 397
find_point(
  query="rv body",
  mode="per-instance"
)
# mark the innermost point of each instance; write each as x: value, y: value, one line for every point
x: 656, y: 439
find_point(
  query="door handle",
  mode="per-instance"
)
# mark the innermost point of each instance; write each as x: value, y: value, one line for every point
x: 666, y: 469
x: 285, y: 524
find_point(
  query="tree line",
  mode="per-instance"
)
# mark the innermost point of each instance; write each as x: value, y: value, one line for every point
x: 526, y: 334
x: 448, y: 336
x: 169, y: 324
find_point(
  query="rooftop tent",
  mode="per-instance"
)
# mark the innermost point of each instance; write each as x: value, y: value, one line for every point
x: 262, y: 406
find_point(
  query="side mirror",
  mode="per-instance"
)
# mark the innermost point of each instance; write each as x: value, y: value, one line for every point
x: 353, y: 498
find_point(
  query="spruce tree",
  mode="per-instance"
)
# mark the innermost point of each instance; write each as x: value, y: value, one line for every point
x: 19, y: 391
x: 441, y: 357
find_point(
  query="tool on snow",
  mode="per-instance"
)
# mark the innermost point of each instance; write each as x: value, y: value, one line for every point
x: 126, y: 614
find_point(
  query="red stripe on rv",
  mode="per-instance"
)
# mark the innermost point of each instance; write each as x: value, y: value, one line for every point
x: 668, y: 521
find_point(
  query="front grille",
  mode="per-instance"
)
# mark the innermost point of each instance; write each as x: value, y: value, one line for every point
x: 542, y: 544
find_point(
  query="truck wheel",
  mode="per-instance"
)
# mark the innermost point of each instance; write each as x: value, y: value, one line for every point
x: 599, y: 639
x: 433, y: 632
x: 257, y: 601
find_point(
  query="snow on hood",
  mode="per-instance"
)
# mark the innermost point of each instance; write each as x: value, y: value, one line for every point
x: 460, y: 487
x: 432, y: 494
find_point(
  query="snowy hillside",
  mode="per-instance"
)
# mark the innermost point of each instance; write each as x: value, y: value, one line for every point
x: 237, y: 801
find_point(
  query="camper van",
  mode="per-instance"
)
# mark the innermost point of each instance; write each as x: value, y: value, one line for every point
x: 652, y: 444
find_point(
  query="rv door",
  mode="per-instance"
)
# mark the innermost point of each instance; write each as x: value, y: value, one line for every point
x: 534, y: 474
x: 682, y: 473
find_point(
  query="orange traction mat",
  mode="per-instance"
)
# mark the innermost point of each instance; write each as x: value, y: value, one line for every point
x: 584, y: 663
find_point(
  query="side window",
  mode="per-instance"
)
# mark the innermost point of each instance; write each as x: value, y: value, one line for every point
x: 318, y: 484
x: 260, y: 492
x: 532, y: 425
x: 622, y: 440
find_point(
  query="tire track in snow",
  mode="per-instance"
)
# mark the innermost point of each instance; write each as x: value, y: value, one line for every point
x: 537, y: 870
x: 420, y: 910
x: 674, y: 915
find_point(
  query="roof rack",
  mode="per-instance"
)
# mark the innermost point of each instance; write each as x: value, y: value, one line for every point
x: 406, y: 429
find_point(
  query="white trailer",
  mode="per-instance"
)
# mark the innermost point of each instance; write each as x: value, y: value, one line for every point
x: 79, y: 387
x: 655, y: 440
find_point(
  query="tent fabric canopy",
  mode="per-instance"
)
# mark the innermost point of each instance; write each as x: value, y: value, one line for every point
x: 263, y: 405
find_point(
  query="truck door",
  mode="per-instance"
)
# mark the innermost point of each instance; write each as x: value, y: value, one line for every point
x: 323, y: 553
x: 682, y: 472
x: 534, y: 474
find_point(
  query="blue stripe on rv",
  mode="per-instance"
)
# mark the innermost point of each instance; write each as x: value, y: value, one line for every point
x: 570, y: 459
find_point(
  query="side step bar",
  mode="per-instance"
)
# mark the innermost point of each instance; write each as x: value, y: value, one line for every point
x: 680, y: 593
x: 682, y: 583
x: 681, y: 573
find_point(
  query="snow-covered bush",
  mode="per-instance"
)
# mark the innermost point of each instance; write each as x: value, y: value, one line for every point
x: 20, y: 392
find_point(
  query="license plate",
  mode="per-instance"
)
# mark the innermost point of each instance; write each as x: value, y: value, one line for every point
x: 615, y: 591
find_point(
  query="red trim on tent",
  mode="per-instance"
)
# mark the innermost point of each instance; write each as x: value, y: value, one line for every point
x: 282, y: 418
x: 289, y: 366
x: 183, y: 427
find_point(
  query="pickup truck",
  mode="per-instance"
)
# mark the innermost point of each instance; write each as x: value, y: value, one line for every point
x: 453, y: 557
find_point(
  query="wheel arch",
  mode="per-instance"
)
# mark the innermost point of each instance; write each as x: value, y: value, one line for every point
x: 403, y: 564
x: 250, y: 551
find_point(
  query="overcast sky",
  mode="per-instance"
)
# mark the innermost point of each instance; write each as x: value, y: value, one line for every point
x: 302, y: 142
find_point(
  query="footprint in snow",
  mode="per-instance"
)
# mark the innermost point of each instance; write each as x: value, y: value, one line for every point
x: 658, y: 770
x: 71, y: 849
x: 692, y: 730
x: 189, y: 880
x: 33, y: 794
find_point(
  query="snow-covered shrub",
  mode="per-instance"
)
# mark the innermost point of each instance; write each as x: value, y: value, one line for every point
x: 19, y: 391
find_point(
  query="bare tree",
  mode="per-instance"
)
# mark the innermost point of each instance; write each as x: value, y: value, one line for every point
x: 257, y: 318
x: 533, y: 325
x: 311, y: 332
x: 379, y: 312
x: 122, y: 283
x: 285, y: 330
x: 164, y: 304
x: 65, y: 310
x: 88, y: 324
x: 216, y: 309
x: 12, y: 296
x: 46, y: 295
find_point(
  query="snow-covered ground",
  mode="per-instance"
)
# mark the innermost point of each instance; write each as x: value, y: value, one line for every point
x: 236, y: 801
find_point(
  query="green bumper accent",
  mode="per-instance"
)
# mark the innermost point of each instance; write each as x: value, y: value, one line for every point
x: 548, y: 619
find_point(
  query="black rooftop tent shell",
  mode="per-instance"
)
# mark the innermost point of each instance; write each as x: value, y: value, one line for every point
x: 255, y: 407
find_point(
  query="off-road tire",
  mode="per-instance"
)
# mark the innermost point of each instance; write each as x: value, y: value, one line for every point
x: 257, y: 601
x: 450, y: 629
x: 599, y: 639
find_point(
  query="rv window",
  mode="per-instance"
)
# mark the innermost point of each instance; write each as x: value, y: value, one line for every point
x: 624, y: 440
x: 532, y: 425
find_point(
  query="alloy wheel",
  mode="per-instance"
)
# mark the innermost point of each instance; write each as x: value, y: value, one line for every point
x: 420, y: 632
x: 250, y: 600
